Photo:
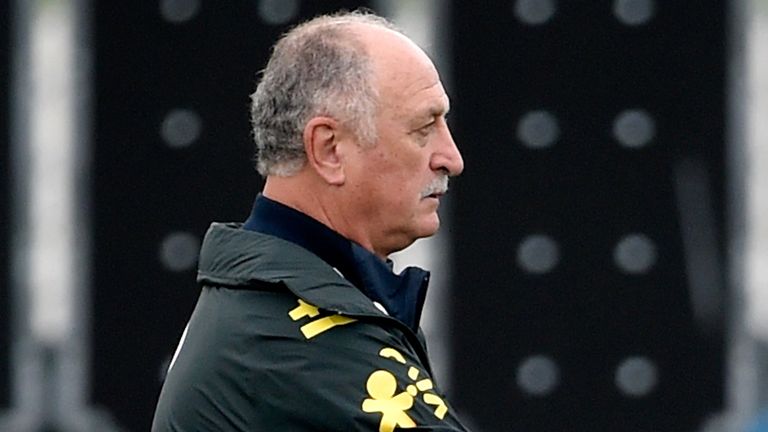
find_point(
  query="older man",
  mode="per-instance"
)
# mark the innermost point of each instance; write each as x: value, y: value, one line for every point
x: 301, y: 324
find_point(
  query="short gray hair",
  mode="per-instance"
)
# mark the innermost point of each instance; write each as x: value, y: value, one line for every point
x: 318, y: 68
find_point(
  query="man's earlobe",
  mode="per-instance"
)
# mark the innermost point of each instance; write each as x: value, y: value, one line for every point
x: 321, y: 144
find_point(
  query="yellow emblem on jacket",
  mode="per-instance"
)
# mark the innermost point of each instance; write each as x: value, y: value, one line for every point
x: 320, y: 325
x: 384, y: 398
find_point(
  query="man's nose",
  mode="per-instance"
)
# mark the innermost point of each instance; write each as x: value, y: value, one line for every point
x: 447, y: 156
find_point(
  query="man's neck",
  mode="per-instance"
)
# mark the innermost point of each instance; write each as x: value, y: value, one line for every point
x: 312, y: 197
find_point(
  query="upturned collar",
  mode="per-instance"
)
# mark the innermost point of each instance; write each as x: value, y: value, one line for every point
x: 401, y: 295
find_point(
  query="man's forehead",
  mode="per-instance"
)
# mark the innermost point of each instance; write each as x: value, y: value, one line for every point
x: 388, y: 48
x: 437, y: 104
x: 403, y: 71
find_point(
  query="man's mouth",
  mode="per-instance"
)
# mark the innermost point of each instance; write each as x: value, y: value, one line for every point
x: 437, y: 188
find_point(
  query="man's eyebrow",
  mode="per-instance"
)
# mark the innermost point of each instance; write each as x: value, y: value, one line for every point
x: 439, y: 110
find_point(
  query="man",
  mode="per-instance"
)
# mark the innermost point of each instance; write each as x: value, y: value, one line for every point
x: 301, y: 324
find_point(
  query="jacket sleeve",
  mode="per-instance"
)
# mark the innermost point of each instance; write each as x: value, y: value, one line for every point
x: 340, y: 373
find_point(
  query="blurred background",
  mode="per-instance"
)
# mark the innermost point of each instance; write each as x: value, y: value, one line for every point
x: 603, y: 263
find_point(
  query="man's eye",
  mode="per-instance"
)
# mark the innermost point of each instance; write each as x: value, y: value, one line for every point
x: 426, y: 129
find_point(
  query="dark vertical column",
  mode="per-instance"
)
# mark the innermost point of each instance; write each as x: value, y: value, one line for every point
x: 5, y: 197
x: 589, y: 276
x: 172, y: 154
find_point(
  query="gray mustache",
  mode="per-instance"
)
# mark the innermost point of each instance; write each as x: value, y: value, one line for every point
x: 437, y: 186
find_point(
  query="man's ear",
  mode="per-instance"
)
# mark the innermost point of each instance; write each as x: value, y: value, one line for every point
x: 321, y: 144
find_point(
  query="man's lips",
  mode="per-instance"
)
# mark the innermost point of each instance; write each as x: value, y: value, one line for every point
x: 436, y: 188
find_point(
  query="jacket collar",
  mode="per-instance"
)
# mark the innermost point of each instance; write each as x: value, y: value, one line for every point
x: 319, y: 265
x: 236, y: 257
x: 402, y: 296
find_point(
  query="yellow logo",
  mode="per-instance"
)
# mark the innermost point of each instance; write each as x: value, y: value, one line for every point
x: 393, y: 406
x: 382, y: 386
x: 320, y: 325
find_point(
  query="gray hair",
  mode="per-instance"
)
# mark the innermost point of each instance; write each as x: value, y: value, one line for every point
x: 318, y: 68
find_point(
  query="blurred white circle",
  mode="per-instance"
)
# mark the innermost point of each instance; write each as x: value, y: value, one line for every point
x: 534, y: 12
x: 634, y: 128
x: 538, y: 129
x: 179, y: 11
x: 278, y: 12
x: 634, y: 12
x: 538, y: 253
x: 538, y: 375
x: 181, y: 128
x: 636, y: 376
x: 179, y: 251
x: 635, y: 254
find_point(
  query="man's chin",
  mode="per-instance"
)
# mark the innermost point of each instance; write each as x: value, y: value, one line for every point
x: 427, y: 228
x: 430, y: 226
